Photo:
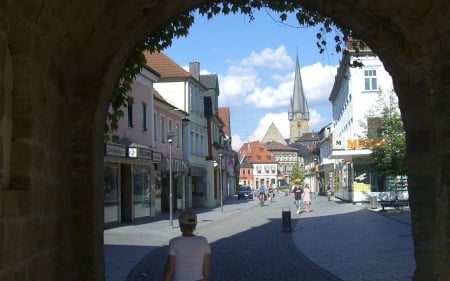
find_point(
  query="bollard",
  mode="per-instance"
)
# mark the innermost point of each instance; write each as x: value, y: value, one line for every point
x: 286, y: 219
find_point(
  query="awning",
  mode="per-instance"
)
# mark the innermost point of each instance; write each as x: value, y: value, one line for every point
x: 338, y: 154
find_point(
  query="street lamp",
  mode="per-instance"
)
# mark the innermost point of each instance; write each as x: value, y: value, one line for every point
x: 220, y: 182
x: 170, y: 141
x: 316, y: 187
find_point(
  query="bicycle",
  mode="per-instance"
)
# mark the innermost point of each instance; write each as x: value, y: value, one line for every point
x: 262, y: 199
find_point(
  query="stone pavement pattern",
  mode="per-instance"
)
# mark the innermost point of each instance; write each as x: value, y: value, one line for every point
x: 336, y: 241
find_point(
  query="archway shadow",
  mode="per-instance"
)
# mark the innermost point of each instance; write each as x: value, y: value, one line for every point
x: 322, y: 247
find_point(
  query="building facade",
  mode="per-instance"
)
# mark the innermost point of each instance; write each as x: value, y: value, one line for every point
x: 129, y: 166
x: 355, y: 96
x: 287, y: 160
x: 264, y: 165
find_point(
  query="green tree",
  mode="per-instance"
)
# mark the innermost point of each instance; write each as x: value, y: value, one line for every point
x: 297, y: 173
x: 179, y: 26
x: 389, y: 157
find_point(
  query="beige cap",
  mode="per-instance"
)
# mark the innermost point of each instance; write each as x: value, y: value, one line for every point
x: 188, y: 217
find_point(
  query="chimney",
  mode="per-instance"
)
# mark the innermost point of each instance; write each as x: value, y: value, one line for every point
x: 194, y: 70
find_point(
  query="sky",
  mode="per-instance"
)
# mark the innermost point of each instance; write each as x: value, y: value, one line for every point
x: 255, y: 63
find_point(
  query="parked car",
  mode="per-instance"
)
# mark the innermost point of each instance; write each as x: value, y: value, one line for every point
x: 245, y: 192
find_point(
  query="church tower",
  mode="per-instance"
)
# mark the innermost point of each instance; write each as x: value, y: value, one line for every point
x: 298, y: 114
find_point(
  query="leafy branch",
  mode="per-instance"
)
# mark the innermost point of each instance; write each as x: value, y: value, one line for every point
x: 179, y: 26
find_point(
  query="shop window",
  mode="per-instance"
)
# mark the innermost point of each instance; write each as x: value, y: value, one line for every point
x: 141, y: 191
x: 111, y: 193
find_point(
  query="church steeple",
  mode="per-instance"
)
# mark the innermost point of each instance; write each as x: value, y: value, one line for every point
x: 298, y: 114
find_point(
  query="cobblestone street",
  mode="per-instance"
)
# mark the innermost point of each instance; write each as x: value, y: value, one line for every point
x: 248, y: 243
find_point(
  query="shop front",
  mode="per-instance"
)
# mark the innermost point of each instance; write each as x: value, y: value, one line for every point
x: 178, y: 173
x: 354, y: 179
x: 128, y: 183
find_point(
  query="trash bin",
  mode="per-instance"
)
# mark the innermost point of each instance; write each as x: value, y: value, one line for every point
x: 286, y: 219
x: 373, y: 202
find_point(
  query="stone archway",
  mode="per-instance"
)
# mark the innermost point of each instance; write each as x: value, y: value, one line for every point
x: 59, y: 62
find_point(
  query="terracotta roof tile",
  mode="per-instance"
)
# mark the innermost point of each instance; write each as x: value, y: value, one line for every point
x: 256, y: 152
x: 165, y: 66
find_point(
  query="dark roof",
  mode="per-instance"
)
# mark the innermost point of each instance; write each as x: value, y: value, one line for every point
x: 301, y: 149
x: 209, y: 80
x: 279, y: 146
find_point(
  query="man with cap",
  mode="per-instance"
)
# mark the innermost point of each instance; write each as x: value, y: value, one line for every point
x: 189, y: 256
x: 297, y: 192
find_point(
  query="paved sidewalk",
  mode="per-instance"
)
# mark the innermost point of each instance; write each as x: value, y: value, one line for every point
x: 350, y: 241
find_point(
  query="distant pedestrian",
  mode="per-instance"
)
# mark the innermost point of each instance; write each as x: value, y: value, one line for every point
x: 329, y: 191
x: 297, y: 192
x: 189, y: 256
x: 306, y: 196
x: 271, y: 193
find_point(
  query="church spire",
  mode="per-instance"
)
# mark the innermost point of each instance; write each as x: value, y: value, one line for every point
x: 298, y: 100
x: 298, y: 114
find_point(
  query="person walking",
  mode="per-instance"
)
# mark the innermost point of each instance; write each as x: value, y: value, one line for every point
x: 307, y: 198
x: 189, y: 256
x: 329, y: 191
x: 271, y: 193
x: 297, y: 192
x: 262, y: 193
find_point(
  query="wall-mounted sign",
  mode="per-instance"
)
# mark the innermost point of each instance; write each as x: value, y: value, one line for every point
x: 144, y: 153
x: 339, y: 143
x: 157, y: 157
x: 139, y: 152
x: 115, y: 150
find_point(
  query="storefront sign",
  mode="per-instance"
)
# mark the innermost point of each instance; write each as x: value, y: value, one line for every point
x: 144, y: 153
x: 115, y: 150
x: 157, y: 157
x: 339, y: 143
x: 139, y: 152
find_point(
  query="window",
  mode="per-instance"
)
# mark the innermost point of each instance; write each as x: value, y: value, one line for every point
x: 178, y: 133
x: 155, y: 127
x: 170, y: 129
x: 163, y: 129
x: 370, y: 80
x: 130, y: 115
x: 144, y: 117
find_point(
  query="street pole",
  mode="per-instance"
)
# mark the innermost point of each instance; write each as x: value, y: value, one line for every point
x: 170, y: 140
x: 220, y: 182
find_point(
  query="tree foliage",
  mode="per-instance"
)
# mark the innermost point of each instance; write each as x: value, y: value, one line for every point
x: 179, y: 26
x: 389, y: 158
x: 297, y: 173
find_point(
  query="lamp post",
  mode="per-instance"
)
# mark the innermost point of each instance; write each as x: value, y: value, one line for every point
x: 220, y: 182
x: 170, y: 140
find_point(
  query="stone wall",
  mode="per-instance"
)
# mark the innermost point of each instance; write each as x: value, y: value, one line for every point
x: 59, y: 62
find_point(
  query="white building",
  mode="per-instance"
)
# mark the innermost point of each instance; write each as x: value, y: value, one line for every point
x: 355, y: 95
x: 185, y: 91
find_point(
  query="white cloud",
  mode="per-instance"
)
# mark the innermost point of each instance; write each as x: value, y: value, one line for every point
x: 281, y: 122
x: 237, y: 84
x: 257, y: 95
x: 268, y: 97
x: 315, y: 120
x: 279, y: 119
x: 269, y: 58
x: 244, y: 84
x: 317, y: 82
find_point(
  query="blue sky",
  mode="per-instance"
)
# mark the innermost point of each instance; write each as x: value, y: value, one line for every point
x: 255, y: 62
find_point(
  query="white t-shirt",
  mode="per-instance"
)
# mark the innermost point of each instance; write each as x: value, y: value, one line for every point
x: 189, y: 252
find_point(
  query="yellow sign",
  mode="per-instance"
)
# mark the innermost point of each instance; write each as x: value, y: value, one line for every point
x: 364, y: 143
x: 339, y: 143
